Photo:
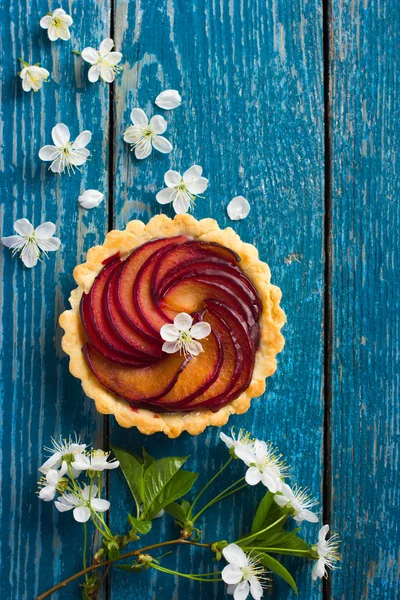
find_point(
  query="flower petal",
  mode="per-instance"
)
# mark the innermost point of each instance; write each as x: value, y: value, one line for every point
x: 226, y: 439
x: 90, y: 55
x: 235, y: 555
x: 29, y: 256
x: 281, y: 500
x: 238, y: 208
x: 106, y: 46
x: 81, y: 462
x: 255, y: 588
x: 63, y: 506
x: 323, y: 532
x: 64, y: 33
x: 26, y: 85
x: 306, y: 515
x: 230, y: 589
x: 198, y: 187
x: 45, y: 230
x: 60, y: 134
x: 58, y: 12
x: 23, y: 227
x: 90, y: 198
x: 170, y: 347
x: 49, y: 152
x: 66, y: 20
x: 172, y: 178
x: 318, y: 569
x: 168, y: 99
x: 45, y: 22
x: 13, y: 241
x: 231, y: 574
x: 59, y: 164
x: 79, y: 157
x: 169, y: 333
x: 192, y: 174
x: 139, y: 117
x: 100, y: 505
x: 242, y: 591
x: 81, y: 514
x: 181, y: 204
x: 166, y: 195
x: 161, y: 144
x: 143, y: 150
x: 245, y: 454
x: 194, y: 348
x: 52, y: 33
x: 114, y: 58
x: 54, y: 460
x: 47, y: 493
x: 48, y: 245
x: 183, y: 321
x: 106, y: 73
x: 270, y: 481
x: 158, y: 124
x: 82, y: 140
x: 253, y: 476
x: 201, y: 330
x: 93, y: 74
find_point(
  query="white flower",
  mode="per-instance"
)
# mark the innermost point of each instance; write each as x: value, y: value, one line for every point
x: 32, y: 243
x: 97, y: 461
x: 168, y: 99
x: 57, y: 24
x: 62, y: 450
x: 52, y: 480
x: 79, y: 503
x: 264, y: 465
x: 90, y: 198
x: 66, y: 154
x: 104, y: 62
x: 238, y: 208
x: 327, y: 551
x: 32, y: 76
x: 243, y: 439
x: 182, y: 335
x: 182, y: 190
x: 143, y: 136
x: 243, y: 574
x: 300, y: 501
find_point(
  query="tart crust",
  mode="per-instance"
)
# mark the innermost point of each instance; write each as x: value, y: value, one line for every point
x: 271, y: 321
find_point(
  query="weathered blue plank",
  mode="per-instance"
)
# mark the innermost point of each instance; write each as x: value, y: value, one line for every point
x: 252, y: 116
x: 40, y: 397
x: 365, y: 278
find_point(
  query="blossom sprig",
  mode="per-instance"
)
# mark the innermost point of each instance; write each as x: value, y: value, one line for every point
x: 31, y: 244
x: 248, y: 566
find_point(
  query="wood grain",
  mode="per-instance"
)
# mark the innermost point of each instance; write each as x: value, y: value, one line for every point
x: 252, y: 116
x: 365, y: 277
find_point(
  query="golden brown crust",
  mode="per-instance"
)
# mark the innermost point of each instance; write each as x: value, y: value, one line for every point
x: 271, y: 321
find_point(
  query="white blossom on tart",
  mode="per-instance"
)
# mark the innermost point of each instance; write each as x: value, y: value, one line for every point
x: 33, y: 76
x: 104, y: 62
x: 32, y: 243
x: 57, y: 24
x: 66, y: 154
x: 168, y: 99
x: 182, y: 190
x: 244, y: 575
x: 81, y: 503
x: 97, y: 460
x: 144, y: 135
x: 62, y: 450
x: 238, y: 208
x: 264, y: 464
x: 90, y: 199
x: 299, y: 500
x: 182, y: 335
x: 52, y: 479
x: 327, y: 553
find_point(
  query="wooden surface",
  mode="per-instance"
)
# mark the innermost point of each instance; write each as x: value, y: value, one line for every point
x: 309, y: 133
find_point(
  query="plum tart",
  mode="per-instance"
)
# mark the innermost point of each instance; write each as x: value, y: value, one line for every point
x: 174, y: 325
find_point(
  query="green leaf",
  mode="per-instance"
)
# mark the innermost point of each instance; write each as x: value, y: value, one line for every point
x: 130, y: 568
x: 262, y: 512
x: 113, y: 551
x: 278, y: 568
x: 147, y: 459
x: 163, y: 483
x: 142, y: 527
x: 284, y: 540
x: 186, y: 507
x: 85, y: 595
x: 175, y: 510
x: 133, y: 472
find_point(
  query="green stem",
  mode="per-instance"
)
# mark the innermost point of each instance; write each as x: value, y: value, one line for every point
x: 289, y: 551
x: 185, y: 575
x: 258, y: 533
x: 85, y: 549
x: 76, y: 52
x: 219, y: 497
x: 209, y: 483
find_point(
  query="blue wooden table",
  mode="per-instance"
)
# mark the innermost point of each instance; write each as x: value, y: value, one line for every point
x: 295, y: 105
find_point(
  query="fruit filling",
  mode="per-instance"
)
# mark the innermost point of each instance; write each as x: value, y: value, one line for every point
x: 174, y: 326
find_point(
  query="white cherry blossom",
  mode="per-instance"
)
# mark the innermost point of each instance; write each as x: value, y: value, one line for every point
x: 238, y: 208
x: 299, y: 500
x: 144, y: 136
x: 242, y: 440
x: 104, y: 62
x: 97, y: 460
x: 327, y: 552
x: 79, y: 503
x: 32, y: 243
x: 264, y: 464
x: 90, y: 199
x: 52, y: 479
x: 243, y: 575
x: 32, y: 76
x: 182, y: 335
x: 66, y: 154
x: 57, y: 24
x: 182, y: 190
x: 61, y: 450
x: 168, y: 99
